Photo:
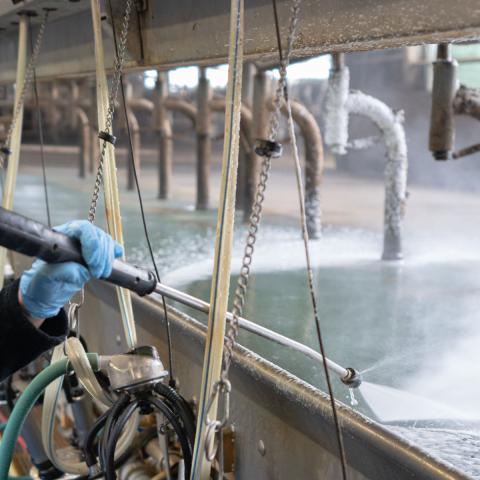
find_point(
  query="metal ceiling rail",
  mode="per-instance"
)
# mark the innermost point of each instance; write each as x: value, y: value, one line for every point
x: 182, y: 32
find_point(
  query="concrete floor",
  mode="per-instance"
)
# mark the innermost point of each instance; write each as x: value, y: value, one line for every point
x: 345, y: 200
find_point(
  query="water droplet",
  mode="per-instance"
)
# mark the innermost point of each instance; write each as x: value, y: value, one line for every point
x: 353, y: 400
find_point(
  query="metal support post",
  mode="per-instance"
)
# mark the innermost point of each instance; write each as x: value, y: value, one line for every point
x: 204, y: 146
x: 245, y: 150
x: 165, y: 141
x: 260, y: 125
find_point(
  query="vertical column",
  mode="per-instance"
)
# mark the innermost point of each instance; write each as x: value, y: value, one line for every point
x: 16, y: 138
x: 260, y: 126
x: 245, y: 142
x: 81, y: 120
x: 164, y: 131
x: 204, y: 145
x: 94, y: 144
x: 74, y: 98
x: 53, y: 114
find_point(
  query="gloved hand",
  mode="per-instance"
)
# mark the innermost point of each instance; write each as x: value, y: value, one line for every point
x: 46, y: 287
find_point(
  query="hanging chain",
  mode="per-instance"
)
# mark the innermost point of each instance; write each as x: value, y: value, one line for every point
x: 118, y: 70
x: 222, y: 387
x: 256, y: 215
x: 26, y: 82
x: 112, y: 97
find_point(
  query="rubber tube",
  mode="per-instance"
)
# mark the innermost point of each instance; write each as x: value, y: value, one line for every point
x: 170, y: 416
x: 25, y: 403
x: 111, y: 443
x: 79, y: 361
x: 78, y: 358
x: 181, y: 407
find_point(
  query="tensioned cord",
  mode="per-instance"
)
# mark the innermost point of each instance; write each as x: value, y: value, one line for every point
x: 313, y: 296
x: 142, y: 212
x: 40, y: 130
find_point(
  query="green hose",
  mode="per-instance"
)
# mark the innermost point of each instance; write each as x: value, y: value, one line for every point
x: 25, y: 403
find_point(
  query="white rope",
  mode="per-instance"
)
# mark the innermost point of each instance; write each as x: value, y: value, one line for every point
x: 223, y: 245
x: 112, y: 201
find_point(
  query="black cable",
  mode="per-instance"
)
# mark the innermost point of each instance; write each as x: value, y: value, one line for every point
x: 143, y: 439
x: 277, y: 31
x: 89, y: 443
x: 40, y: 130
x: 114, y: 413
x: 184, y: 442
x: 111, y: 443
x: 180, y: 406
x: 341, y: 449
x: 142, y: 212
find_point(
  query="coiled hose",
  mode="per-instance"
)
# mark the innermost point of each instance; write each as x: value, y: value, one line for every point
x: 26, y: 402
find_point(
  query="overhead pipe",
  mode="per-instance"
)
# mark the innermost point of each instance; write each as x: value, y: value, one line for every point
x: 204, y: 141
x: 339, y: 104
x: 259, y: 130
x: 164, y: 135
x: 172, y: 104
x: 245, y: 152
x: 442, y: 120
x: 314, y: 165
x: 189, y: 110
x: 467, y: 102
x: 94, y: 144
x: 84, y: 153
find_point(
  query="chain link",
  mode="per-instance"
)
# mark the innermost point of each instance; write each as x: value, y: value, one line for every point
x: 27, y: 79
x: 117, y: 74
x: 256, y: 215
x: 215, y: 427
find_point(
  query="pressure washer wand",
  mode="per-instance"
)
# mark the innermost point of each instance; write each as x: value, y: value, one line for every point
x: 32, y: 238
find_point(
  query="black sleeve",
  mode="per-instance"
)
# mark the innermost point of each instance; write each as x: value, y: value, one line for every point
x: 20, y: 341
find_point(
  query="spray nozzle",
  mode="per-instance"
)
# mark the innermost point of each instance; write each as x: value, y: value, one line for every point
x: 352, y: 379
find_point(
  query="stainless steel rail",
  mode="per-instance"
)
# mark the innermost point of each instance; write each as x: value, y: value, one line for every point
x: 347, y: 375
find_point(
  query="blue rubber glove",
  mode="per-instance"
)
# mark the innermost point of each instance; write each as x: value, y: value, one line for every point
x: 45, y: 288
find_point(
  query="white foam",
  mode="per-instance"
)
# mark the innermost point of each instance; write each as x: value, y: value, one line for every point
x: 275, y: 254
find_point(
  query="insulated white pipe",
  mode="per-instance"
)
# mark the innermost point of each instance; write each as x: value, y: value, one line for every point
x: 339, y: 104
x: 390, y: 123
x: 16, y: 138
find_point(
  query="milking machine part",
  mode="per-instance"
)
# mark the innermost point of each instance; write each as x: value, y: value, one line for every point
x: 442, y: 120
x: 138, y: 370
x: 137, y: 378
